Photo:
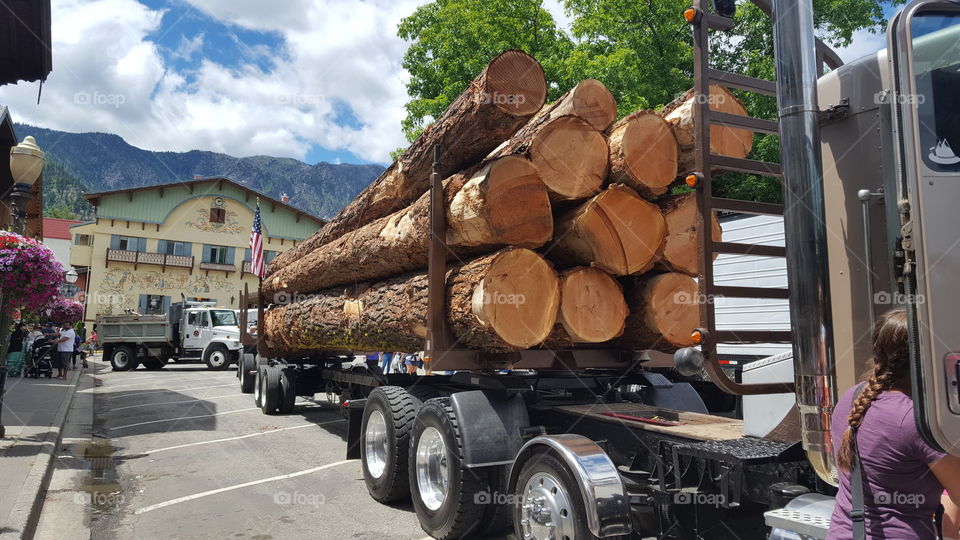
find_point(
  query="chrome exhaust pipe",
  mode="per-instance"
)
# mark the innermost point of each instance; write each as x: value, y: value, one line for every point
x: 806, y: 235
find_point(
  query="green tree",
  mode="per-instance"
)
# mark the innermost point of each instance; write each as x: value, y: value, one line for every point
x: 60, y: 211
x: 452, y: 41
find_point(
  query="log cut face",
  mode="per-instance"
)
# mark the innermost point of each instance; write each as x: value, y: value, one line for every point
x: 663, y: 312
x: 643, y: 153
x: 589, y: 100
x: 616, y: 231
x: 571, y: 155
x: 500, y: 302
x: 496, y: 204
x: 509, y: 91
x: 592, y: 308
x: 724, y: 141
x: 680, y: 249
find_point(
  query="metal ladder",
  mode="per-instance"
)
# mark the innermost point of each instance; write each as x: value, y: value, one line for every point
x: 703, y: 21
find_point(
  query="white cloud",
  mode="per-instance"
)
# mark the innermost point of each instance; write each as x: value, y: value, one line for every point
x: 864, y: 43
x: 108, y: 76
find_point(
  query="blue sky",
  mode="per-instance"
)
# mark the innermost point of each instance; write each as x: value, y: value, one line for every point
x: 317, y: 80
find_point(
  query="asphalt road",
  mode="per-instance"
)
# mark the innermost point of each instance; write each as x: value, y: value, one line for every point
x: 181, y: 453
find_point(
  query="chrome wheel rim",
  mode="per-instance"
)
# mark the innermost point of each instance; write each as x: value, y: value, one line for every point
x: 375, y: 444
x: 257, y: 391
x: 546, y: 512
x: 121, y: 359
x: 217, y: 358
x: 432, y: 473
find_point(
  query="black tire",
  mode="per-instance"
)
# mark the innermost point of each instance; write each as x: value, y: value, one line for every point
x: 398, y: 409
x: 548, y: 463
x: 154, y: 363
x: 217, y: 357
x: 257, y: 388
x: 247, y: 368
x: 123, y: 358
x: 497, y: 518
x: 288, y: 390
x: 269, y: 389
x: 461, y: 510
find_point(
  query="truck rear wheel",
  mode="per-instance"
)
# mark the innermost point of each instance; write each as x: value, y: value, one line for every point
x: 447, y: 495
x: 548, y: 502
x: 123, y: 358
x: 247, y: 369
x: 269, y: 381
x: 385, y: 442
x: 217, y: 357
x: 288, y: 390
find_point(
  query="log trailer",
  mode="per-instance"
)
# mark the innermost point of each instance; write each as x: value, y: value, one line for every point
x: 579, y: 444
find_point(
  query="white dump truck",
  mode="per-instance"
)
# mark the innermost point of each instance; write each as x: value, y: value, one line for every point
x: 197, y: 331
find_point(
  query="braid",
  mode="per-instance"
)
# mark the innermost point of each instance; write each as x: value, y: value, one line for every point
x: 883, y: 378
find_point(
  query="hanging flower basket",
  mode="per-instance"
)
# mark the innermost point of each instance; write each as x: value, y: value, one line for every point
x: 64, y: 310
x: 30, y: 275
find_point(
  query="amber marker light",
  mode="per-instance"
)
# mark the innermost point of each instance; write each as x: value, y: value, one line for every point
x: 690, y: 14
x: 697, y: 337
x: 691, y: 180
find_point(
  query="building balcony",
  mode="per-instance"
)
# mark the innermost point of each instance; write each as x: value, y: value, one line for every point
x: 218, y: 267
x: 142, y: 257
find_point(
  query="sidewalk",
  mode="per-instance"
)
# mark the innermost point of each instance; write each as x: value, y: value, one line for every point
x: 34, y: 411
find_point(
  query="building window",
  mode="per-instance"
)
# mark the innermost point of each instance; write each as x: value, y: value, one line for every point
x: 218, y: 215
x: 269, y: 255
x: 82, y: 240
x: 128, y: 243
x: 218, y: 254
x: 176, y: 248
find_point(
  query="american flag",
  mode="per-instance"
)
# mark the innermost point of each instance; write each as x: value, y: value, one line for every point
x: 257, y: 265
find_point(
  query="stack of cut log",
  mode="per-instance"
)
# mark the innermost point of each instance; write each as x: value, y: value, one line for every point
x: 561, y: 232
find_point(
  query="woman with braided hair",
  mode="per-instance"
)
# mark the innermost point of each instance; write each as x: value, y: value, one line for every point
x: 903, y: 476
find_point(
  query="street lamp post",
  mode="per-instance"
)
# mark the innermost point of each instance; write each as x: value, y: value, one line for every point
x: 26, y: 163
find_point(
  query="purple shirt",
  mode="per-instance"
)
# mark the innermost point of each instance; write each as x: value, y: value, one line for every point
x: 900, y: 492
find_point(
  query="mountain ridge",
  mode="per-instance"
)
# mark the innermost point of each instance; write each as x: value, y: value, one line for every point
x: 100, y: 161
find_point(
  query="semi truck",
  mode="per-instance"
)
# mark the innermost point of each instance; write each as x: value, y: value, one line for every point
x: 189, y: 331
x: 581, y: 444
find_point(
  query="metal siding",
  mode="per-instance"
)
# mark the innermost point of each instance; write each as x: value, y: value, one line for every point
x: 752, y: 271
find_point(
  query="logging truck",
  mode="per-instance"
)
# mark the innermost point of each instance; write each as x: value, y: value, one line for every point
x: 560, y: 413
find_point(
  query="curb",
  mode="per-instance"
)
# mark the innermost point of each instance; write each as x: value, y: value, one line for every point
x: 25, y: 513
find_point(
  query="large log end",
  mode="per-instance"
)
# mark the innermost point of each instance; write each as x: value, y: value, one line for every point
x: 680, y: 248
x: 572, y: 157
x: 592, y: 308
x: 515, y: 83
x: 518, y: 297
x: 504, y: 203
x: 643, y: 153
x: 591, y: 101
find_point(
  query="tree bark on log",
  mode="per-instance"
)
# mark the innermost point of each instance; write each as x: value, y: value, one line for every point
x: 489, y: 206
x: 724, y: 140
x: 592, y: 308
x: 643, y: 153
x: 680, y: 249
x: 616, y: 231
x: 589, y: 100
x: 571, y: 155
x: 663, y: 312
x: 510, y: 90
x: 501, y: 302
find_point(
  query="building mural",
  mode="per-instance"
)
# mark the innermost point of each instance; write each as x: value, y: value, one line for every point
x: 150, y: 246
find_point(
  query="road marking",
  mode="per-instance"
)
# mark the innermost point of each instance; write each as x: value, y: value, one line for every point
x: 179, y: 500
x: 168, y: 390
x: 241, y: 436
x: 182, y: 418
x: 177, y: 402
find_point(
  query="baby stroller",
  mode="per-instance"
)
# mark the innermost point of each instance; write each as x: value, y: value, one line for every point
x: 39, y: 363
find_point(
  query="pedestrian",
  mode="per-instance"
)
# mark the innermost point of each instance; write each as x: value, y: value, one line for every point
x: 65, y: 343
x: 15, y: 351
x: 874, y: 429
x: 411, y: 362
x: 386, y: 358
